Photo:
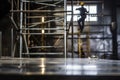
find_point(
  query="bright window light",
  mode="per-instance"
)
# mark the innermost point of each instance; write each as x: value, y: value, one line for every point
x: 91, y: 8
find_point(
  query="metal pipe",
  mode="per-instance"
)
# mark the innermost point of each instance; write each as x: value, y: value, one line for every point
x: 25, y: 22
x: 44, y: 28
x: 72, y: 29
x: 0, y: 44
x: 65, y: 39
x: 12, y: 53
x: 40, y: 11
x: 42, y: 33
x: 21, y: 23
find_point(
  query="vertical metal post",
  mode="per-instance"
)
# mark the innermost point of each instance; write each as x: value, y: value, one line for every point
x: 24, y: 36
x: 12, y: 53
x: 65, y: 37
x: 72, y: 28
x: 0, y: 44
x: 21, y: 23
x: 88, y: 36
x: 114, y: 31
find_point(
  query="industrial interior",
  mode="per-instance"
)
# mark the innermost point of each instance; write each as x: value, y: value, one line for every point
x: 41, y: 39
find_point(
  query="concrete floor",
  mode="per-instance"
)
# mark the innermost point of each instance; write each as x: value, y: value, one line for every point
x: 60, y: 68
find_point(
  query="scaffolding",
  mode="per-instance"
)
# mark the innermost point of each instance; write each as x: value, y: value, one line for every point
x: 41, y: 27
x: 95, y: 37
x: 44, y: 28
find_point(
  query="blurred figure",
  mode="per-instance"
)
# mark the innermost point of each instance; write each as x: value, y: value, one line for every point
x: 83, y: 12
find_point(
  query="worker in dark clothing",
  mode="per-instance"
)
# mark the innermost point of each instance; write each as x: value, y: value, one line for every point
x: 83, y: 12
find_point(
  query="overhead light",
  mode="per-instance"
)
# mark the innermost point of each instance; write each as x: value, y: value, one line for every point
x: 43, y: 19
x: 43, y: 31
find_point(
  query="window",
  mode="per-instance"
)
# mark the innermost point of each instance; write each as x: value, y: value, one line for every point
x: 91, y: 8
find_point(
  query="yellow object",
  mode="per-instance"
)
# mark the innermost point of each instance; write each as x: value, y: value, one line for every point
x: 79, y: 44
x: 82, y: 3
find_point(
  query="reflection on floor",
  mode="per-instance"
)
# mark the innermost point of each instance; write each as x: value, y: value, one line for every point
x: 55, y: 67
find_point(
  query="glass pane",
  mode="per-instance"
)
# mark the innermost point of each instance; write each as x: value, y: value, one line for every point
x: 91, y: 8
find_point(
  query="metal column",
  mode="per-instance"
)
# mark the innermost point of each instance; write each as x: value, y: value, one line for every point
x: 21, y: 23
x: 65, y: 37
x: 72, y: 28
x: 114, y: 31
x: 0, y: 44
